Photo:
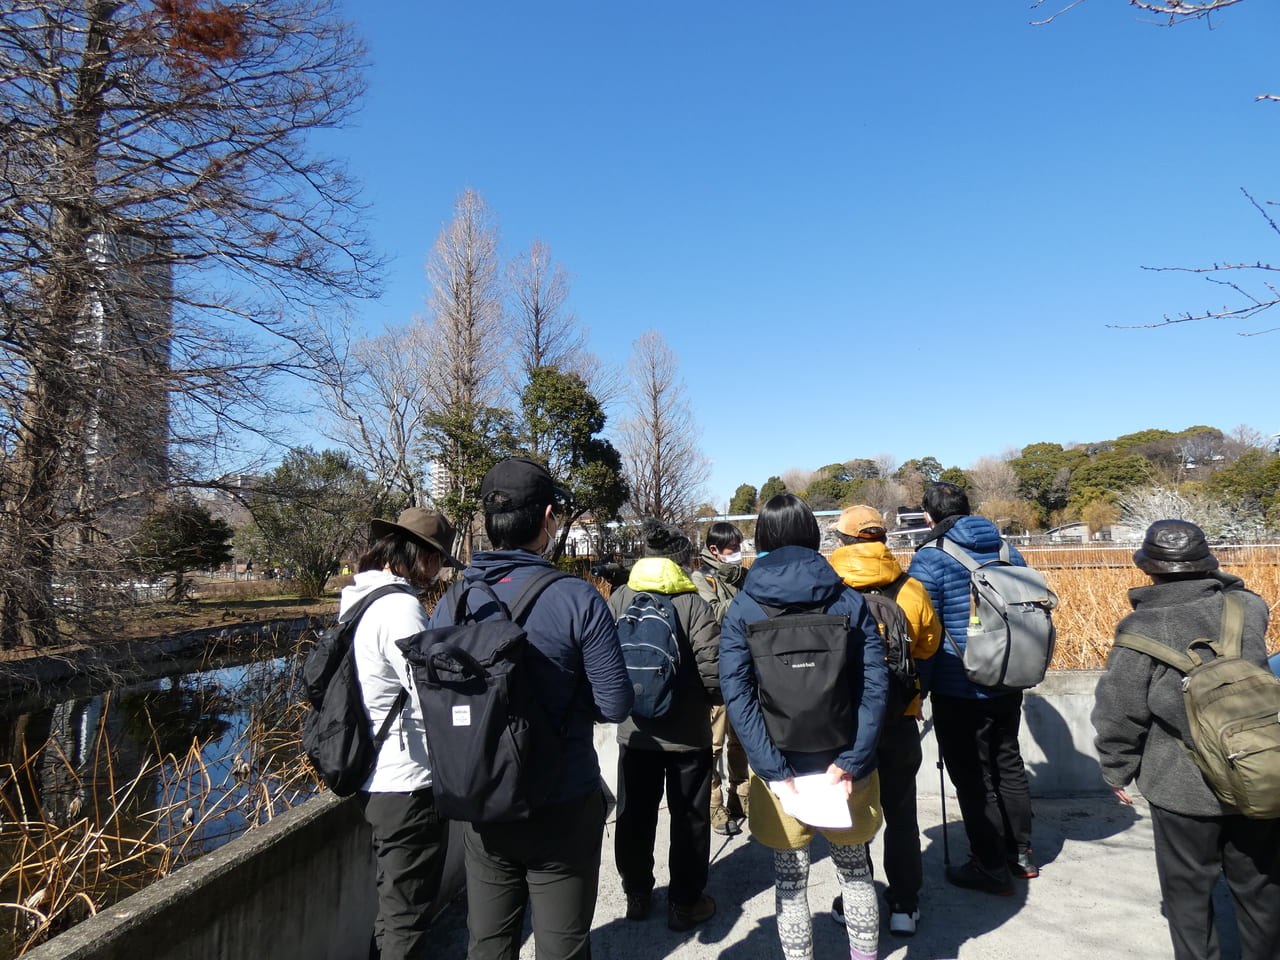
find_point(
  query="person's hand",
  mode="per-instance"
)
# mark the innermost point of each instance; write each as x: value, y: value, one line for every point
x: 1122, y: 795
x: 840, y: 775
x: 790, y: 783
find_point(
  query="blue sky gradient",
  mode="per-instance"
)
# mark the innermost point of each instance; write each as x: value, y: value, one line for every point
x: 864, y: 228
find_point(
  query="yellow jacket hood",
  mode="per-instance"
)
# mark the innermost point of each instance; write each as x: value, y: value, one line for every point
x: 660, y: 575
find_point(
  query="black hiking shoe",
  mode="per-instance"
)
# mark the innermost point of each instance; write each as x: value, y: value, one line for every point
x: 974, y: 876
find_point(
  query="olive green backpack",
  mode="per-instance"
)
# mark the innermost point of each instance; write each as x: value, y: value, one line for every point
x: 1233, y: 708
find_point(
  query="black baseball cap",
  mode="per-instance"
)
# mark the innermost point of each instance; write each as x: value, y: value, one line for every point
x: 519, y: 482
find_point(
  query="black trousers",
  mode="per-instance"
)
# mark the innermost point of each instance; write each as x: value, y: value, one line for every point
x: 1190, y: 854
x: 978, y: 740
x: 642, y: 775
x: 409, y: 852
x: 549, y: 863
x: 898, y: 760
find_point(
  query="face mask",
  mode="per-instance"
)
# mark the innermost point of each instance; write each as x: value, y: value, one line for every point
x: 549, y: 550
x: 735, y: 557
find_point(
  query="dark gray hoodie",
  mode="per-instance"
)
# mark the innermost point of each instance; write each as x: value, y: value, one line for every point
x: 1139, y: 715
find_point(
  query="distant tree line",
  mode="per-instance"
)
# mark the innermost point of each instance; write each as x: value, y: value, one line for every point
x: 1230, y: 481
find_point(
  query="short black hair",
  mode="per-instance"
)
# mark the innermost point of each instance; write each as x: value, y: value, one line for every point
x: 847, y: 539
x: 403, y: 555
x: 786, y: 521
x: 942, y: 500
x: 723, y: 534
x: 515, y: 528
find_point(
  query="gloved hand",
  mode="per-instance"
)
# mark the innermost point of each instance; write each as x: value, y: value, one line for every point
x: 733, y: 574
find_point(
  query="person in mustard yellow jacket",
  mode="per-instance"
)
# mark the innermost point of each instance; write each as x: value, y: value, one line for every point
x: 864, y: 562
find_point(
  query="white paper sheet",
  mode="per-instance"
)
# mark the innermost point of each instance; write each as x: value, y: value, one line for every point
x: 817, y: 802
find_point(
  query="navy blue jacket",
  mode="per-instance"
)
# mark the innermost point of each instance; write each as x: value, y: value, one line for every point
x: 577, y: 671
x: 947, y: 581
x: 798, y: 575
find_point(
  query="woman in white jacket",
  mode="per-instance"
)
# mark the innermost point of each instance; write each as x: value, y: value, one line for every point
x: 408, y: 836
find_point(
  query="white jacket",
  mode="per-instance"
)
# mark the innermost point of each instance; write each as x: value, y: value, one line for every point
x: 403, y: 764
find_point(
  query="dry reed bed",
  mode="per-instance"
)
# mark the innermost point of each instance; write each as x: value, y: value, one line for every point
x: 74, y: 838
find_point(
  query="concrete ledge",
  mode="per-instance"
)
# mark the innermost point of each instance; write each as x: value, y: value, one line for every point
x: 298, y: 887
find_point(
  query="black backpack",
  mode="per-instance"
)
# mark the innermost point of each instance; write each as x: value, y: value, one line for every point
x: 649, y: 634
x: 495, y: 754
x: 335, y: 733
x: 903, y: 675
x: 801, y: 660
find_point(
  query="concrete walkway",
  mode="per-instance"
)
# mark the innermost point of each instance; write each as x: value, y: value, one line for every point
x: 1097, y: 898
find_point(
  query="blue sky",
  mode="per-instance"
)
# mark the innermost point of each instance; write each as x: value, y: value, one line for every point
x: 864, y: 228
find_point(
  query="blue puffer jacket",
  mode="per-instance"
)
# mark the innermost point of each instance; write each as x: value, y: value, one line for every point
x: 947, y: 581
x: 798, y: 575
x: 578, y: 673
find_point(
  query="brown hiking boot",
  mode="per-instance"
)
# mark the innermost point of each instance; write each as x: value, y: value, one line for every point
x: 720, y: 821
x: 682, y: 918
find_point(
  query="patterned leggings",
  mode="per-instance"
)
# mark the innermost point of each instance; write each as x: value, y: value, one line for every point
x: 861, y: 909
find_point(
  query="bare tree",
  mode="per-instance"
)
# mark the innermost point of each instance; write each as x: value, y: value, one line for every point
x: 665, y: 468
x: 379, y: 405
x: 468, y: 429
x: 547, y: 331
x: 1176, y: 10
x: 1219, y: 519
x: 1251, y: 302
x: 991, y: 479
x: 798, y: 479
x: 161, y: 222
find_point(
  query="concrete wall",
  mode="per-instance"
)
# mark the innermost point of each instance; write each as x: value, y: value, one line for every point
x: 298, y: 888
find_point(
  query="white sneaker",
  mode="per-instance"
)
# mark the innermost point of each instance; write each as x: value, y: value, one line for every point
x: 904, y: 924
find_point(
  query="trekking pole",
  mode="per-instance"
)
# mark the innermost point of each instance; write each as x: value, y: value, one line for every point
x: 942, y: 795
x: 942, y: 792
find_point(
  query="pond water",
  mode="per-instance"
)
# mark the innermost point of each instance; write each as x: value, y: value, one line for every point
x: 103, y: 794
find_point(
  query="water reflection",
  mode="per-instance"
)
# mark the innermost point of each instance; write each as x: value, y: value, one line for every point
x: 140, y: 780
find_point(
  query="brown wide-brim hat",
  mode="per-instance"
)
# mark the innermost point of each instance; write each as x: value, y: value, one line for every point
x: 427, y: 526
x: 1174, y: 546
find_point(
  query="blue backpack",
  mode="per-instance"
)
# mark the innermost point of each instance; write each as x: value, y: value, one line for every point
x: 649, y: 633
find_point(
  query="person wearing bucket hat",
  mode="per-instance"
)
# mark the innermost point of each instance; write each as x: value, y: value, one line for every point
x: 1141, y: 727
x: 408, y: 836
x: 550, y: 862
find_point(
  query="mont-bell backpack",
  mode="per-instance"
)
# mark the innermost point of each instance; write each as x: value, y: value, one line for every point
x: 335, y: 733
x: 1233, y: 709
x: 649, y: 634
x: 801, y: 659
x: 903, y: 675
x: 1010, y: 638
x: 495, y: 753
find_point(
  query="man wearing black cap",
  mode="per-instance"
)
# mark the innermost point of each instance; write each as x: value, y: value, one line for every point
x: 1142, y: 733
x: 550, y: 861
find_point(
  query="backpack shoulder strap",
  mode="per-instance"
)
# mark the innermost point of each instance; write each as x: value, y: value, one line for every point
x: 1156, y: 650
x: 1231, y: 636
x: 523, y: 601
x: 953, y: 549
x: 1005, y: 556
x: 357, y: 610
x: 892, y: 590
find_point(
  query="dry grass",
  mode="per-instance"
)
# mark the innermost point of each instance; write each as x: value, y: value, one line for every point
x: 74, y: 839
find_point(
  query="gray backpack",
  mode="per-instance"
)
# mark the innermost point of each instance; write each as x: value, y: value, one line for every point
x: 1010, y: 638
